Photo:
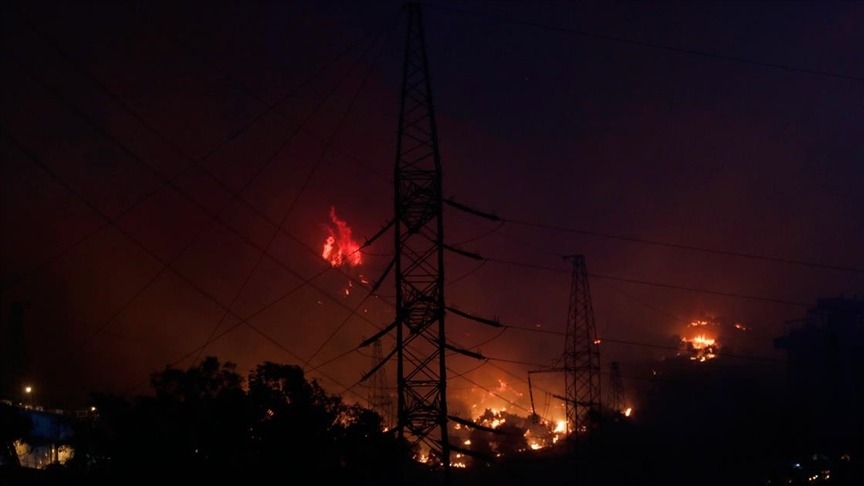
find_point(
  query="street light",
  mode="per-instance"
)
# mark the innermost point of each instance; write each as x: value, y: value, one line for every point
x: 28, y: 390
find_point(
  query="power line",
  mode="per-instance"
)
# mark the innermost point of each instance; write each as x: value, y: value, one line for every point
x: 685, y: 247
x: 630, y: 343
x: 265, y: 251
x: 652, y: 379
x: 672, y: 348
x: 704, y: 291
x: 652, y: 45
x: 137, y: 243
x: 193, y: 162
x: 655, y: 284
x: 652, y: 284
x: 336, y: 331
x: 216, y: 217
x: 478, y: 385
x: 632, y: 239
x: 646, y: 304
x: 135, y: 157
x: 304, y: 186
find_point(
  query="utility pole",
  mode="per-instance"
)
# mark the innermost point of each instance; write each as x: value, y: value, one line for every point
x: 534, y: 415
x: 616, y: 388
x: 581, y: 355
x: 419, y: 261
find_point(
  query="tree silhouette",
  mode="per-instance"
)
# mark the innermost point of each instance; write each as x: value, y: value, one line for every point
x: 210, y: 421
x: 14, y: 425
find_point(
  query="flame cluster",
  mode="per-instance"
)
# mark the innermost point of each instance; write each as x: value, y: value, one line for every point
x: 701, y: 347
x: 339, y: 246
x: 535, y: 434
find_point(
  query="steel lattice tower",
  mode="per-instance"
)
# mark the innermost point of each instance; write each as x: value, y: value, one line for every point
x: 616, y: 387
x: 581, y: 354
x: 379, y: 394
x: 419, y: 261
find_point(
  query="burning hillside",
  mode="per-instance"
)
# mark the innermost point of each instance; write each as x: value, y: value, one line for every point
x: 701, y: 339
x: 701, y: 347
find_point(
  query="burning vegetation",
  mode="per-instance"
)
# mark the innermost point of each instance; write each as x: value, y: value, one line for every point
x: 503, y: 435
x: 340, y: 249
x: 701, y: 348
x: 700, y: 341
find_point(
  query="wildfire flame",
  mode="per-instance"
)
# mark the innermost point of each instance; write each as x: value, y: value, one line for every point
x: 702, y: 347
x: 560, y: 427
x: 339, y: 246
x: 701, y: 341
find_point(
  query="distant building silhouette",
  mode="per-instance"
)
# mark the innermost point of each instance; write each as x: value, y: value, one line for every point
x: 825, y: 359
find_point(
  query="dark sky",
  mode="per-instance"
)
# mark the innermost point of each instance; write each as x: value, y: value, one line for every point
x: 197, y: 127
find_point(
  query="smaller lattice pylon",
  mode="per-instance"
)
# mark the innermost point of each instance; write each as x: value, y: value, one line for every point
x: 581, y: 355
x: 379, y: 396
x: 616, y: 388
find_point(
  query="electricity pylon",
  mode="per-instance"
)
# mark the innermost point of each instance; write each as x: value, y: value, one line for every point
x: 419, y: 261
x: 581, y: 355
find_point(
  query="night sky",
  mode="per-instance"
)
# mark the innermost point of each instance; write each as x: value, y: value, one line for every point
x: 150, y: 150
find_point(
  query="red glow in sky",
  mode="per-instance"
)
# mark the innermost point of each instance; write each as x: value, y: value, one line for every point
x: 151, y: 150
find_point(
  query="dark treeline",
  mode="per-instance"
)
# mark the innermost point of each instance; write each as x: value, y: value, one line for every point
x: 708, y: 424
x: 209, y: 423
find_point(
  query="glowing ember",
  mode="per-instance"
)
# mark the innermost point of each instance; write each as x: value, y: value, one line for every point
x: 339, y: 247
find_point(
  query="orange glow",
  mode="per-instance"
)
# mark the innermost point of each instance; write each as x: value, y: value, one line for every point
x: 628, y: 411
x: 339, y: 246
